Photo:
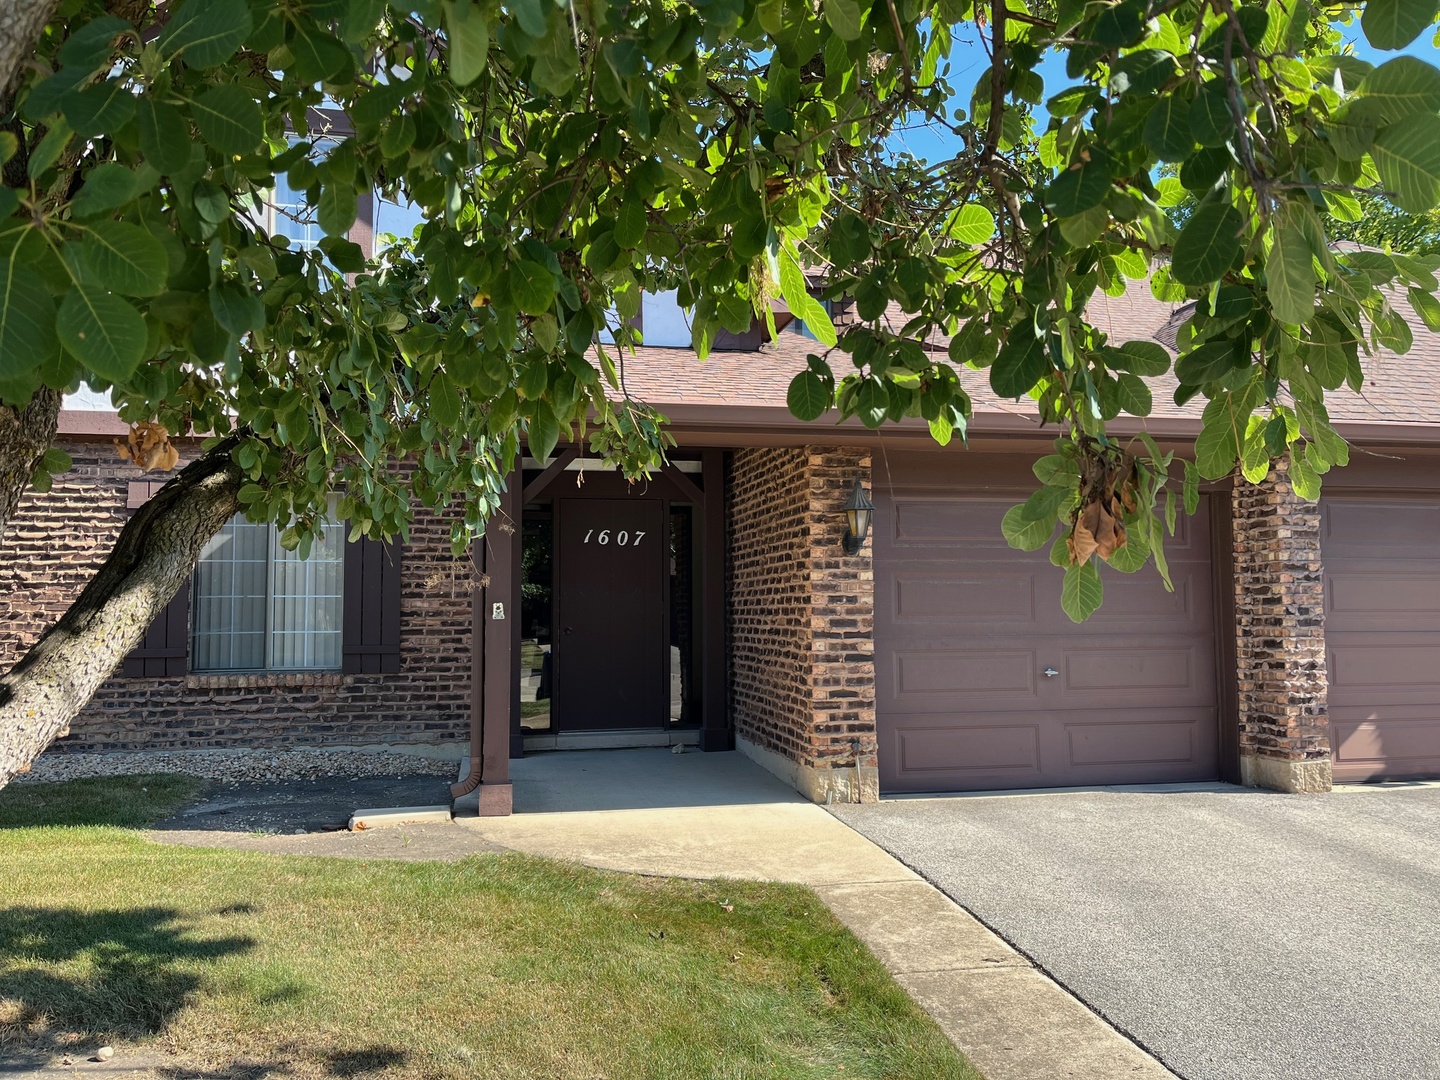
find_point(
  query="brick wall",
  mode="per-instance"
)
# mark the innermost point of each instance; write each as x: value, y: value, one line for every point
x: 801, y: 619
x: 56, y: 540
x: 1280, y: 637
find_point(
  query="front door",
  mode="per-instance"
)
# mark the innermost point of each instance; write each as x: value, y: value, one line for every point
x: 610, y: 651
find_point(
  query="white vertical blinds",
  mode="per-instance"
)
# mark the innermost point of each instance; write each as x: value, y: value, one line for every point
x: 259, y: 607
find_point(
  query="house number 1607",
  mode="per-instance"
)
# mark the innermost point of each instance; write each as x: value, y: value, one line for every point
x: 622, y: 538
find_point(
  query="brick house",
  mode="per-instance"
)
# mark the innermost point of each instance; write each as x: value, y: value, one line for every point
x: 716, y: 606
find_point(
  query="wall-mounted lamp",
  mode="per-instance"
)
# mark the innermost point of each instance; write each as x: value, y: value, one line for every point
x: 858, y: 509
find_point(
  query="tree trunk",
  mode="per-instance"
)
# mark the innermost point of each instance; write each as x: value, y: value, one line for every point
x: 21, y: 22
x: 25, y: 435
x: 154, y: 555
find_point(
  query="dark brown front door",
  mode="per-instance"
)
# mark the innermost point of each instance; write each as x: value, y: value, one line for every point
x: 610, y: 650
x: 981, y: 680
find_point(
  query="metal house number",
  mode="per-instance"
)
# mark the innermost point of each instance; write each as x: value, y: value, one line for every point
x: 622, y: 538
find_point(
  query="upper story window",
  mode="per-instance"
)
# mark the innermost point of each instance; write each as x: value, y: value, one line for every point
x: 259, y: 607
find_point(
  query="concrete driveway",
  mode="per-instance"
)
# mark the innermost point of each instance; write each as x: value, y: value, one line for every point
x: 1236, y: 934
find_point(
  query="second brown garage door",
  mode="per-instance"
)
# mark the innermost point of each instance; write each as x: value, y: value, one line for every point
x: 983, y: 682
x: 1382, y: 634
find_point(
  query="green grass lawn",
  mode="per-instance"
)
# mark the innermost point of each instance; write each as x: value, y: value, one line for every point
x: 497, y: 966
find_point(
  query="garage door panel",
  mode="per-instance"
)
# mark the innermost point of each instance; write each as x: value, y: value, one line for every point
x: 966, y: 627
x: 1369, y: 599
x: 1389, y: 746
x: 1371, y: 530
x: 975, y: 523
x: 1107, y: 742
x: 930, y: 745
x: 1127, y: 668
x: 962, y: 673
x: 936, y: 594
x: 1376, y: 664
x: 1143, y: 595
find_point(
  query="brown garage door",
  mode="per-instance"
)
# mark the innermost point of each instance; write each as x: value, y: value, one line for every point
x: 967, y: 630
x: 1382, y: 634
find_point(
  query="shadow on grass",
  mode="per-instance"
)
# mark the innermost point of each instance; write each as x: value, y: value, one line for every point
x: 347, y: 1065
x: 106, y: 975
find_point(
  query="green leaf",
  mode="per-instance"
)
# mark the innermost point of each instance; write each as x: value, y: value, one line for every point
x: 1026, y: 534
x: 164, y: 135
x: 50, y: 148
x: 530, y: 14
x: 103, y: 108
x: 1207, y: 246
x: 809, y: 396
x: 337, y: 208
x: 1427, y: 307
x: 1083, y: 592
x: 1191, y: 487
x: 849, y: 239
x: 102, y: 331
x: 1303, y: 478
x: 1167, y: 129
x: 1133, y: 395
x: 106, y: 187
x: 1211, y: 121
x: 872, y: 401
x: 1290, y: 274
x: 1140, y: 357
x: 844, y: 17
x: 444, y: 401
x: 126, y: 258
x: 1393, y: 24
x: 1045, y: 503
x: 320, y: 57
x: 1082, y: 186
x: 27, y: 320
x: 1217, y: 447
x: 1019, y: 365
x: 1133, y: 554
x: 1397, y: 89
x: 344, y: 255
x: 972, y: 224
x: 206, y: 32
x: 1407, y: 156
x: 544, y: 433
x: 1082, y: 230
x: 533, y: 287
x: 631, y: 223
x: 229, y: 120
x: 236, y: 308
x: 469, y: 36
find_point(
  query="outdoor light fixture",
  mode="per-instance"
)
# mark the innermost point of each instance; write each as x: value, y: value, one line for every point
x: 858, y: 509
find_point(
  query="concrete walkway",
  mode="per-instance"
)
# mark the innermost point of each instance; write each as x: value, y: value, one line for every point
x: 720, y: 815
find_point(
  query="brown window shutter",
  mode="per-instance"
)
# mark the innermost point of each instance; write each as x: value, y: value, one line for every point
x: 165, y: 651
x: 371, y: 641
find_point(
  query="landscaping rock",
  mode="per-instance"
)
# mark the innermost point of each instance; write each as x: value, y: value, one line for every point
x: 263, y: 766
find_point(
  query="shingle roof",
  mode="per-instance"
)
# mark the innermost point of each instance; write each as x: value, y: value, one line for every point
x: 1398, y: 389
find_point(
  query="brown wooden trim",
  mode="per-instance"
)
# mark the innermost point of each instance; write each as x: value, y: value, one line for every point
x: 687, y: 487
x: 554, y: 469
x: 715, y: 731
x: 1227, y: 689
x: 500, y: 707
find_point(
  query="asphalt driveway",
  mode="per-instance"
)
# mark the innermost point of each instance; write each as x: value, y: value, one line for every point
x: 1236, y: 934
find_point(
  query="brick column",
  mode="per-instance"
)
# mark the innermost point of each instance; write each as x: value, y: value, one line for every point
x: 801, y: 618
x: 1280, y: 638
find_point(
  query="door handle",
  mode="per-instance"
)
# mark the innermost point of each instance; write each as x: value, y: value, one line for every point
x: 567, y: 631
x: 1049, y: 672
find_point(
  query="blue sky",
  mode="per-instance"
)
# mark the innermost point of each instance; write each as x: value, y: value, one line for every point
x: 968, y: 60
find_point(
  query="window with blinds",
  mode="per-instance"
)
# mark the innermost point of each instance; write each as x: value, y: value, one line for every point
x: 258, y: 607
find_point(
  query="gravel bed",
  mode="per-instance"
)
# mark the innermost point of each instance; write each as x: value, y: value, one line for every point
x: 239, y: 765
